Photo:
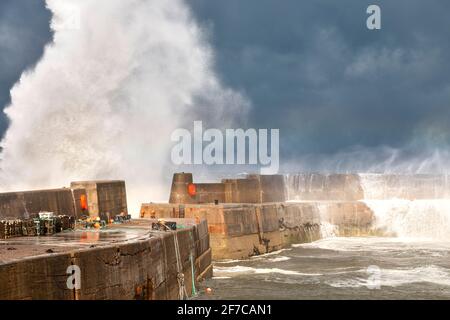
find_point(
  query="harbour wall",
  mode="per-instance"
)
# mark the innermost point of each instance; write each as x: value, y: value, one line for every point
x: 349, y: 187
x: 238, y: 231
x: 310, y: 187
x: 104, y: 199
x: 252, y: 189
x: 23, y: 204
x: 144, y: 267
x: 260, y: 214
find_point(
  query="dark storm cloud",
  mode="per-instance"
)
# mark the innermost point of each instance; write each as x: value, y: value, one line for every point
x: 310, y: 68
x: 313, y: 69
x: 24, y: 30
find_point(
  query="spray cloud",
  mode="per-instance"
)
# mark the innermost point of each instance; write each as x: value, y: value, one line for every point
x: 106, y: 95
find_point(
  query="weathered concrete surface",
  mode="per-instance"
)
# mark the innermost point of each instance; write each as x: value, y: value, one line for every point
x: 23, y: 204
x: 243, y: 230
x: 350, y: 187
x: 106, y: 199
x: 126, y: 261
x: 252, y: 189
x: 255, y: 189
x: 314, y: 186
x: 210, y: 192
x: 179, y: 189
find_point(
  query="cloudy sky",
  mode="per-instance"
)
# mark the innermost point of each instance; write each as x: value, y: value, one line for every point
x: 310, y: 68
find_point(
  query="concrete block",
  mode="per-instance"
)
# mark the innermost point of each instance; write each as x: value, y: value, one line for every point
x: 106, y: 199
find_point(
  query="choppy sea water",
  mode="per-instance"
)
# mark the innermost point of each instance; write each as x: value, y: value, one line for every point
x: 338, y: 268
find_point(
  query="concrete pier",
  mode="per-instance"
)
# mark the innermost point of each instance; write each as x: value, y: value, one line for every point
x: 252, y: 189
x: 260, y: 214
x: 124, y: 261
x: 104, y: 199
x: 239, y: 231
x: 251, y: 216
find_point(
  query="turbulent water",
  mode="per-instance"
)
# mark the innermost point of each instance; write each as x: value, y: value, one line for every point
x: 339, y: 268
x: 412, y: 264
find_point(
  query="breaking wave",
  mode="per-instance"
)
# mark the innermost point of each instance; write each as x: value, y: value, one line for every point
x: 107, y: 94
x: 240, y: 270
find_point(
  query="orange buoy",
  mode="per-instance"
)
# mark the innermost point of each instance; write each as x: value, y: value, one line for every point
x: 192, y: 190
x: 83, y: 202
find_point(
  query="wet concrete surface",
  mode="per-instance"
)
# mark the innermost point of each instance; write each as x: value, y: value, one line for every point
x: 122, y: 262
x: 19, y: 248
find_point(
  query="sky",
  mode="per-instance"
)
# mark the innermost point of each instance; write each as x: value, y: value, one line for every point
x: 309, y: 68
x: 24, y: 31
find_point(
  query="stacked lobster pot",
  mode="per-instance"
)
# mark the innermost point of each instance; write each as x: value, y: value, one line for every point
x: 44, y: 224
x: 29, y: 228
x: 63, y: 223
x: 10, y: 228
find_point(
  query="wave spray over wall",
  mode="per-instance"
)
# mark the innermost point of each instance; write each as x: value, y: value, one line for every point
x: 409, y: 206
x: 107, y: 94
x: 402, y: 205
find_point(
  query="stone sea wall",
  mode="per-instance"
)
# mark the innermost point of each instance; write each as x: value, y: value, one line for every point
x: 243, y: 230
x: 143, y: 267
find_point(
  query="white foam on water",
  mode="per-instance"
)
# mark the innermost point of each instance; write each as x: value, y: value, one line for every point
x: 240, y: 270
x: 347, y: 283
x: 265, y: 256
x: 377, y: 244
x: 397, y: 277
x: 253, y: 258
x: 279, y: 259
x: 405, y: 218
x: 226, y: 261
x: 271, y: 253
x: 420, y: 219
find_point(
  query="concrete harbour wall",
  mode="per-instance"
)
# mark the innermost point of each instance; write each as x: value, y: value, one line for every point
x: 141, y: 266
x: 350, y: 187
x: 23, y: 204
x: 254, y: 217
x: 105, y: 199
x: 243, y: 230
x: 252, y: 189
